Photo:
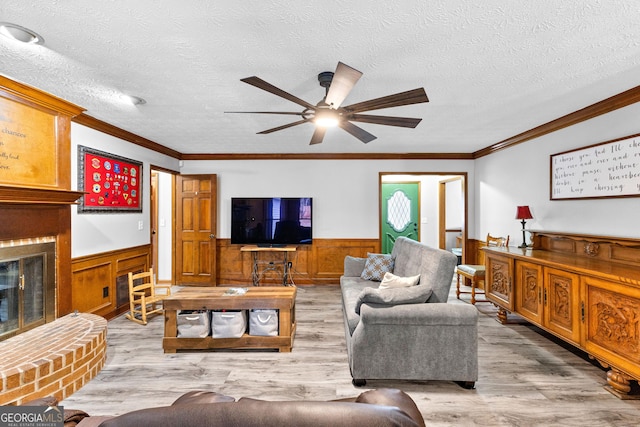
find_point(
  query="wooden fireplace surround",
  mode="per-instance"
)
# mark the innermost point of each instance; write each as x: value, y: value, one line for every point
x: 35, y: 190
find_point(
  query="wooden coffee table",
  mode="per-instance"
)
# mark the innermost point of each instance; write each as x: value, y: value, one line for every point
x: 282, y: 298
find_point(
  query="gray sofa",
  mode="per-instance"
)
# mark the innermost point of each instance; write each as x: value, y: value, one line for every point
x: 409, y: 333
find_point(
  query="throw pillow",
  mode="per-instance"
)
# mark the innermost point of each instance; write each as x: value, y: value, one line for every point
x: 394, y: 296
x: 390, y: 280
x: 376, y: 265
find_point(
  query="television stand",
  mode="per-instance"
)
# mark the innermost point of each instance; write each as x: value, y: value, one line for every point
x: 262, y: 266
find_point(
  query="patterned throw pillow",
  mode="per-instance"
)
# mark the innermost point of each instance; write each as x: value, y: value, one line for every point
x: 376, y: 266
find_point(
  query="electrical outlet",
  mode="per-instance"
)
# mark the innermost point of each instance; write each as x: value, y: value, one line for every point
x: 105, y: 292
x: 140, y: 225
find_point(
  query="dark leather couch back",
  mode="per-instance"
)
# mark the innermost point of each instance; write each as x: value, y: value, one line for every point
x: 258, y: 413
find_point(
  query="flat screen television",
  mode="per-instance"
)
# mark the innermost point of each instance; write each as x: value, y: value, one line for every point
x: 271, y: 221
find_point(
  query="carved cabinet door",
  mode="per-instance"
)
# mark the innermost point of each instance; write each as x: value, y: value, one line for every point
x: 529, y: 292
x: 562, y: 303
x: 498, y: 280
x: 612, y: 323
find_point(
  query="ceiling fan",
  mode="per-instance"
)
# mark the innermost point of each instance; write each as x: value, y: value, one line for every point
x: 328, y: 112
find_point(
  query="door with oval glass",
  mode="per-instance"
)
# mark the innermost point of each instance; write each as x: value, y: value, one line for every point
x: 400, y: 212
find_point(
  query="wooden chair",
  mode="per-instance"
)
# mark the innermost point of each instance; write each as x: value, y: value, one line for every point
x: 142, y: 293
x: 475, y: 272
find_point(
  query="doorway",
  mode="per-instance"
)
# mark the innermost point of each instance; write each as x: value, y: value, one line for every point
x: 162, y: 223
x: 400, y: 213
x: 196, y: 222
x: 432, y: 204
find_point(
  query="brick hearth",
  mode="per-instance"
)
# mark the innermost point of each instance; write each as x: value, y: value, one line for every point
x: 54, y: 359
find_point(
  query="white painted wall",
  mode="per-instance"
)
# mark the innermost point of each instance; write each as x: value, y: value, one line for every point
x: 95, y: 233
x: 345, y: 192
x: 520, y: 176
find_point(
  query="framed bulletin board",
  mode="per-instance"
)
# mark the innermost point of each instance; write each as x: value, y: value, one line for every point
x: 111, y: 183
x: 608, y: 169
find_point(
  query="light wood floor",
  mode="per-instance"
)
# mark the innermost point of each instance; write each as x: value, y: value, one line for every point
x: 525, y: 378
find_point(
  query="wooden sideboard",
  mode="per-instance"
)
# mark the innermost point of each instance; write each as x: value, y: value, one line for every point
x: 584, y: 289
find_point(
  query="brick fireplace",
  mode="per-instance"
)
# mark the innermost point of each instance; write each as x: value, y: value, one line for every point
x: 45, y: 349
x: 27, y: 284
x: 42, y: 228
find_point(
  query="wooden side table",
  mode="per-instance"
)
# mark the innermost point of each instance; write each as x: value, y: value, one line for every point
x: 256, y: 272
x: 282, y: 298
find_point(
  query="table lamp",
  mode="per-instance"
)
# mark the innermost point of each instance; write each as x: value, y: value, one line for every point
x: 523, y: 213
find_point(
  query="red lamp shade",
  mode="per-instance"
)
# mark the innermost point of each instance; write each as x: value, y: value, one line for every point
x: 523, y: 212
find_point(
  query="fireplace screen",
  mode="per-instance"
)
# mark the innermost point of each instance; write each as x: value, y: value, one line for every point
x: 27, y: 287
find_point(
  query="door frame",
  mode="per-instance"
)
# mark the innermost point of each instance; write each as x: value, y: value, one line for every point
x: 442, y: 223
x: 198, y: 279
x: 444, y: 175
x: 156, y: 197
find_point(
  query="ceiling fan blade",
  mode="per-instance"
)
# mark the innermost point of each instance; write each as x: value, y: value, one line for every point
x: 290, y: 113
x: 415, y: 96
x: 261, y: 84
x: 318, y: 135
x: 344, y: 79
x: 354, y: 130
x: 299, y: 122
x: 406, y: 122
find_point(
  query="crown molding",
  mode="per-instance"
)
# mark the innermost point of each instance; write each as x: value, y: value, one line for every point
x: 328, y: 156
x: 23, y: 93
x: 112, y: 130
x: 612, y: 103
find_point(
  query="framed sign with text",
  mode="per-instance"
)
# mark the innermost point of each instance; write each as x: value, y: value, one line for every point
x: 608, y: 169
x: 111, y: 183
x: 28, y: 145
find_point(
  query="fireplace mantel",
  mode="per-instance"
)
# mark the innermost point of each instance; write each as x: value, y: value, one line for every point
x: 38, y: 196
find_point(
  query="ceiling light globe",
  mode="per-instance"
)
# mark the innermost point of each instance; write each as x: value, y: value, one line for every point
x: 326, y: 117
x: 326, y: 122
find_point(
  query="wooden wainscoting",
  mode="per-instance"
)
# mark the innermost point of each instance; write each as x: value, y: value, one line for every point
x: 99, y: 282
x: 320, y: 263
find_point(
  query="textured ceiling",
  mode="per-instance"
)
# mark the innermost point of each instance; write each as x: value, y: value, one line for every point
x: 491, y: 69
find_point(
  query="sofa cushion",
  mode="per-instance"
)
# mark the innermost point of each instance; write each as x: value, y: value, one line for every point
x: 353, y: 266
x: 376, y: 266
x: 390, y: 280
x: 201, y: 396
x: 435, y: 266
x: 351, y: 288
x: 393, y: 296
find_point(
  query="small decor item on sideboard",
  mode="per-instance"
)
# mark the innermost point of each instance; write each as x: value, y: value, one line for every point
x: 523, y: 213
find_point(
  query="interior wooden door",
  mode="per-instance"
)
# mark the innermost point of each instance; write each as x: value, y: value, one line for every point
x: 196, y: 209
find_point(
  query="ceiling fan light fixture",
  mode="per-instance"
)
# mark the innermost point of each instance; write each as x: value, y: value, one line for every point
x: 21, y: 34
x: 326, y: 117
